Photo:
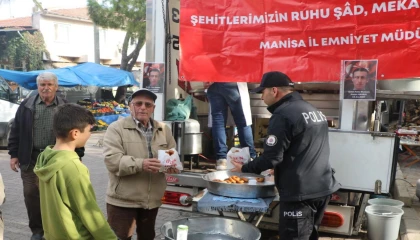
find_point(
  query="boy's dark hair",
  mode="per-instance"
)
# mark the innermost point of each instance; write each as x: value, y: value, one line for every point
x: 71, y: 116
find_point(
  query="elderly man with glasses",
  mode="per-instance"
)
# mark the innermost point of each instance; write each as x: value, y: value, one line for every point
x: 136, y: 184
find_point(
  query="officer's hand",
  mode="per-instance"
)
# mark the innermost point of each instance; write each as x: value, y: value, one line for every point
x: 237, y: 166
x: 14, y: 164
x: 151, y: 165
x: 172, y: 171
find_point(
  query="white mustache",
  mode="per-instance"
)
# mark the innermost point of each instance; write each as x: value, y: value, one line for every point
x: 46, y: 90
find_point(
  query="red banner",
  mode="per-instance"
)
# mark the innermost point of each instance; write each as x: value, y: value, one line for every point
x: 239, y: 40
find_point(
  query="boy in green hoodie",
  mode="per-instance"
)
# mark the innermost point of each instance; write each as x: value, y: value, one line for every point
x: 68, y: 203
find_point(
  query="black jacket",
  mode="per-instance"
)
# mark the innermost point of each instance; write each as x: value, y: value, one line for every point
x: 297, y: 148
x: 20, y: 139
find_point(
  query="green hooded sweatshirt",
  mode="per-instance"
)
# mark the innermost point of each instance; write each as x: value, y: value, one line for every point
x: 68, y: 203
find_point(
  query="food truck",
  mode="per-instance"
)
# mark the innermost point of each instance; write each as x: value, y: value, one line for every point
x: 318, y: 45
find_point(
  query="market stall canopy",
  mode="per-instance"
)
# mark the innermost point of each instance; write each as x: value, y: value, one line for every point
x: 86, y: 74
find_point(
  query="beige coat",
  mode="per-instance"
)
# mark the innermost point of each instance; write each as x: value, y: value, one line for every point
x: 124, y: 149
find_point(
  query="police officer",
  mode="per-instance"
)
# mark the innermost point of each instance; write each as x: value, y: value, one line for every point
x: 297, y: 148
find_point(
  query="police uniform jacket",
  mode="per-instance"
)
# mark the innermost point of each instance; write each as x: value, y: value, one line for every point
x: 297, y: 148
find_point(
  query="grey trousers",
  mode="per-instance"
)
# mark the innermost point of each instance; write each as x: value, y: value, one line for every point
x: 31, y: 196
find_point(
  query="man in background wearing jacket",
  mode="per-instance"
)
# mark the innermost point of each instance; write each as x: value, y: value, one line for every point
x: 297, y: 148
x: 31, y: 132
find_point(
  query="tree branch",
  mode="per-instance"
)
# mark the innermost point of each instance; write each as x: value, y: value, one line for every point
x: 140, y: 43
x: 125, y: 45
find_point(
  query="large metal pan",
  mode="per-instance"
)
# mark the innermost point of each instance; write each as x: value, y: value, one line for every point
x: 212, y: 228
x: 247, y: 190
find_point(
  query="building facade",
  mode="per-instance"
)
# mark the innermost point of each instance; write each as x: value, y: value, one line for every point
x: 69, y: 37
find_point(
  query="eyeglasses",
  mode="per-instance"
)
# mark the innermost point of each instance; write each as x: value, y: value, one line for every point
x: 140, y: 103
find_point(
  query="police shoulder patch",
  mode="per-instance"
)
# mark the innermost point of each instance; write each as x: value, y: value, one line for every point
x: 271, y: 140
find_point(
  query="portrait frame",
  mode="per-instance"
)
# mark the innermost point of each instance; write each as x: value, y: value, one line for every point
x: 359, y: 79
x: 156, y: 85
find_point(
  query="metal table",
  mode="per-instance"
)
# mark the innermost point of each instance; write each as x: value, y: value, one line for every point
x: 254, y: 215
x: 407, y: 144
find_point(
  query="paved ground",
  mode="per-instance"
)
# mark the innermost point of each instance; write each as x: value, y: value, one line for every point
x: 406, y: 181
x: 410, y: 176
x: 14, y: 211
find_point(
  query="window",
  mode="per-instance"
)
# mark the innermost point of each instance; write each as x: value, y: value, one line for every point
x: 61, y: 32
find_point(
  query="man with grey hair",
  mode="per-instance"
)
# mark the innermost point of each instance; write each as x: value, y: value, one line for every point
x: 30, y: 134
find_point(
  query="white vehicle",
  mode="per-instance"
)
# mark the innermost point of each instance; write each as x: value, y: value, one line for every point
x: 10, y: 97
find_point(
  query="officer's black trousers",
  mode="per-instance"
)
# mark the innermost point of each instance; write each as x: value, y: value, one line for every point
x: 301, y: 220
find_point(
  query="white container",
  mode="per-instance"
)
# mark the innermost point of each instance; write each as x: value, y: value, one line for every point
x: 386, y: 202
x: 182, y: 232
x: 383, y: 222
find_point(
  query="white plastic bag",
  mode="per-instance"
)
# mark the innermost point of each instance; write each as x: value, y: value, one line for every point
x: 169, y: 159
x: 240, y: 155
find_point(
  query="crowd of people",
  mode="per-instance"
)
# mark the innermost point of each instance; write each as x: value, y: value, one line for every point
x: 60, y: 200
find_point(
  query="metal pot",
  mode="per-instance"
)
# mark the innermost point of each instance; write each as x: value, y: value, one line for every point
x: 192, y: 137
x: 188, y: 136
x: 192, y: 143
x: 210, y: 228
x: 192, y: 126
x: 246, y: 190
